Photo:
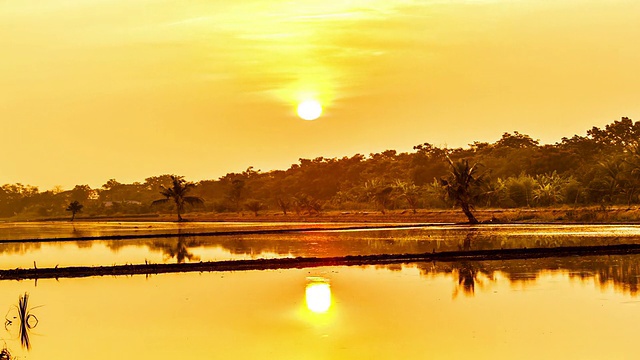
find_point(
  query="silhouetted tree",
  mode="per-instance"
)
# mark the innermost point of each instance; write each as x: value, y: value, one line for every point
x: 153, y: 183
x: 410, y: 193
x: 284, y: 205
x: 75, y: 207
x: 602, y: 165
x: 81, y: 192
x: 516, y: 141
x: 379, y: 193
x: 253, y: 205
x: 178, y: 193
x: 462, y: 186
x: 303, y: 202
x: 109, y: 188
x: 235, y: 192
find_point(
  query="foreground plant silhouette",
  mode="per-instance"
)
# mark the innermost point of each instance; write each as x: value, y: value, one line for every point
x: 75, y: 207
x: 26, y: 322
x: 4, y: 353
x: 462, y: 186
x: 178, y: 193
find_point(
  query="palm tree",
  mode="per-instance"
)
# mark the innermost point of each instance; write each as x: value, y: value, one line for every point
x: 462, y: 185
x: 178, y: 193
x: 74, y: 207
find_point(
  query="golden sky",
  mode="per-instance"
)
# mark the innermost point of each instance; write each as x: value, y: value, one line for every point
x: 99, y: 89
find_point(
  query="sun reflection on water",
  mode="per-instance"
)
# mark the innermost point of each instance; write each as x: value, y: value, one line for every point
x: 318, y: 295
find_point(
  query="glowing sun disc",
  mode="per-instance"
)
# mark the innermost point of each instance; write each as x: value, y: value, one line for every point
x: 309, y: 110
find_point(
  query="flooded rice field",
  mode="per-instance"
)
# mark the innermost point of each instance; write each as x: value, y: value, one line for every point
x: 66, y: 229
x: 185, y: 248
x: 577, y: 307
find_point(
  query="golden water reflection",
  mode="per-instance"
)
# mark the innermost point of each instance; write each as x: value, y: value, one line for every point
x: 399, y: 312
x: 619, y: 272
x: 184, y: 248
x: 318, y: 294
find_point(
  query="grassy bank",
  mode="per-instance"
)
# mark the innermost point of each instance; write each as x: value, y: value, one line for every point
x: 520, y: 215
x: 570, y: 215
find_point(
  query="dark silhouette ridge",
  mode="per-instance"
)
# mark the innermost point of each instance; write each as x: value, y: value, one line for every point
x: 601, y: 168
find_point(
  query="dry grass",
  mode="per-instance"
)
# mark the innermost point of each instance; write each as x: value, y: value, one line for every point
x: 527, y: 215
x: 565, y: 214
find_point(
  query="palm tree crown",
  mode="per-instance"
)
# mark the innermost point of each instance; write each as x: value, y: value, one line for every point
x: 74, y: 207
x: 178, y: 193
x: 462, y: 184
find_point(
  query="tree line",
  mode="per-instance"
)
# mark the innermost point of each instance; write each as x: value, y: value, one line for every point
x: 601, y: 167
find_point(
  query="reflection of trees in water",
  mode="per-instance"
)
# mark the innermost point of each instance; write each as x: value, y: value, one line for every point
x: 315, y: 244
x: 18, y: 248
x: 78, y: 232
x: 393, y: 242
x: 116, y: 245
x: 621, y: 271
x: 617, y: 270
x: 469, y: 274
x: 336, y: 243
x: 251, y: 245
x: 83, y: 244
x: 178, y: 248
x: 466, y: 243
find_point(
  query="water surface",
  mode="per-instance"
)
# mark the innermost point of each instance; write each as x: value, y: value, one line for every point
x: 67, y: 229
x: 573, y: 308
x: 411, y: 240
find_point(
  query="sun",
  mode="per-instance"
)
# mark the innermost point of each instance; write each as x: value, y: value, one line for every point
x: 309, y: 110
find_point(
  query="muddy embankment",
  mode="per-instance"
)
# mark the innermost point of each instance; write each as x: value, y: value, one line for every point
x: 308, y: 262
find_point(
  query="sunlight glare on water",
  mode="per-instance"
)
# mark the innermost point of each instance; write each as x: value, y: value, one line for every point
x: 498, y: 310
x: 318, y: 295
